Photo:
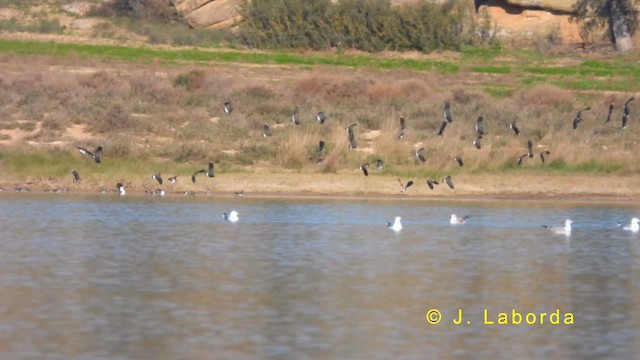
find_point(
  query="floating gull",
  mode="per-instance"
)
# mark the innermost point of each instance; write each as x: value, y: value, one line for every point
x: 94, y: 155
x: 76, y: 176
x: 321, y: 117
x: 231, y: 216
x: 455, y: 220
x: 633, y: 227
x: 208, y: 173
x: 121, y: 189
x: 578, y: 119
x: 609, y: 113
x: 420, y: 155
x: 432, y: 183
x: 514, y: 127
x: 228, y: 108
x: 447, y: 180
x: 157, y: 178
x: 459, y: 160
x: 405, y: 186
x: 364, y: 167
x: 566, y: 230
x: 396, y: 225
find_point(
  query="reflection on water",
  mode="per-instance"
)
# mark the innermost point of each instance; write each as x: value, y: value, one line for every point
x: 146, y: 278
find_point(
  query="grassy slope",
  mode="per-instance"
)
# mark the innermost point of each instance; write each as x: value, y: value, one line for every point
x: 128, y: 96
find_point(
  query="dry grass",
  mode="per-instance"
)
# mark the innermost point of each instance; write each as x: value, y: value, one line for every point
x: 144, y: 112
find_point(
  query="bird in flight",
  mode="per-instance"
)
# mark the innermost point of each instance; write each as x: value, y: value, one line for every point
x: 157, y: 178
x: 514, y: 127
x: 578, y: 119
x: 402, y: 127
x: 447, y: 180
x: 405, y: 186
x: 420, y: 155
x: 228, y: 107
x: 352, y: 136
x: 207, y: 172
x: 321, y: 117
x: 76, y: 176
x: 96, y: 155
x: 364, y: 167
x: 295, y: 116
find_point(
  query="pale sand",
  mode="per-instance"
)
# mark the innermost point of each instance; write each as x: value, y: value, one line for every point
x: 543, y: 187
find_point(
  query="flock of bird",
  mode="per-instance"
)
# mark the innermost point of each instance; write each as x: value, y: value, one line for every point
x: 321, y: 118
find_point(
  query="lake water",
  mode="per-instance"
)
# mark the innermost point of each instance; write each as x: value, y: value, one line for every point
x: 134, y: 277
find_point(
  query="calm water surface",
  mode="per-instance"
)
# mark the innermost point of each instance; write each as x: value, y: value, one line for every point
x: 109, y: 277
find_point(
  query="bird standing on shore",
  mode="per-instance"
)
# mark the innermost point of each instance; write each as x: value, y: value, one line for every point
x: 265, y: 130
x: 96, y: 155
x: 432, y: 183
x: 477, y: 143
x: 449, y: 181
x: 479, y: 128
x: 404, y: 186
x: 295, y: 116
x: 228, y: 107
x: 609, y: 113
x: 447, y: 112
x: 420, y: 155
x: 364, y: 167
x: 157, y: 178
x: 173, y: 179
x: 459, y: 160
x: 402, y: 127
x: 321, y: 117
x: 514, y: 127
x: 626, y: 112
x: 543, y: 153
x: 578, y: 119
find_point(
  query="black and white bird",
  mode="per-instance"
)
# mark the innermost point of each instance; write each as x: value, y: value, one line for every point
x: 404, y: 186
x: 477, y: 142
x: 420, y: 155
x: 207, y: 172
x: 609, y: 113
x: 157, y: 178
x: 578, y: 119
x: 76, y: 176
x: 459, y: 160
x: 529, y: 148
x: 265, y: 130
x: 95, y: 155
x: 543, y: 153
x: 232, y: 216
x: 321, y: 148
x: 626, y: 112
x: 173, y: 179
x: 321, y: 117
x: 364, y: 167
x: 455, y: 220
x: 352, y: 136
x: 479, y: 127
x: 295, y: 115
x: 396, y: 225
x: 447, y: 112
x: 634, y: 227
x: 514, y: 127
x: 379, y: 164
x: 121, y: 189
x: 565, y: 230
x: 402, y: 127
x: 431, y: 183
x: 239, y: 193
x: 521, y: 158
x: 449, y: 181
x: 228, y: 107
x: 442, y: 127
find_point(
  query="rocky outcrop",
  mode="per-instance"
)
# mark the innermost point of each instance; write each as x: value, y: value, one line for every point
x: 550, y: 5
x: 208, y: 13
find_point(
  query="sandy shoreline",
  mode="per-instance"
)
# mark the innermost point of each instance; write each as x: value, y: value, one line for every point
x: 468, y: 187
